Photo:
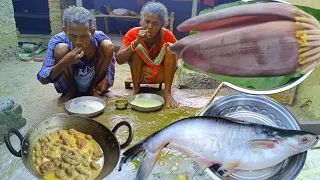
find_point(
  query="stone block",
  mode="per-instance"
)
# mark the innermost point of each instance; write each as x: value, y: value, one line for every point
x: 285, y: 97
x: 10, y: 116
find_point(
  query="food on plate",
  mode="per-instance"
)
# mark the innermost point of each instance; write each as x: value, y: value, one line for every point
x: 85, y: 107
x: 145, y: 102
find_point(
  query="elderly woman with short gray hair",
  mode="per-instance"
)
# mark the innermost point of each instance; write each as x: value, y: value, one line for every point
x: 146, y: 49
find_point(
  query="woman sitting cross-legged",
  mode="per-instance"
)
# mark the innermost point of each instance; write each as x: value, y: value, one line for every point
x: 146, y: 49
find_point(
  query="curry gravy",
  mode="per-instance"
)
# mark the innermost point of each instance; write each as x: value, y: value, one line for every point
x: 68, y: 154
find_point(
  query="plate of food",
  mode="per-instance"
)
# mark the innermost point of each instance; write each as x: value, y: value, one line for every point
x: 146, y: 102
x: 88, y: 106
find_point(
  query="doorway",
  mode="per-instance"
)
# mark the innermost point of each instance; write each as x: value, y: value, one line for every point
x: 32, y: 17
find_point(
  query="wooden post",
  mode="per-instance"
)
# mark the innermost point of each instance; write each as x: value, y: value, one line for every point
x: 79, y: 3
x: 93, y: 12
x: 194, y: 8
x: 171, y: 21
x: 106, y: 24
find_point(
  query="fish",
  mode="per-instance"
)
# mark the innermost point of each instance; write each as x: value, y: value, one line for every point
x: 227, y: 143
x: 252, y: 40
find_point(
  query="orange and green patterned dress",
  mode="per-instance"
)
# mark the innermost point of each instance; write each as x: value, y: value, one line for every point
x: 154, y: 56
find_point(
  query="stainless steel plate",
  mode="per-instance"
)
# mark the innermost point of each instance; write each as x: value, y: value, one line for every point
x: 148, y: 96
x: 263, y: 110
x: 83, y: 99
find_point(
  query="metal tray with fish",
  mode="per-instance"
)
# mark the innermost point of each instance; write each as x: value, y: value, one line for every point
x: 263, y: 110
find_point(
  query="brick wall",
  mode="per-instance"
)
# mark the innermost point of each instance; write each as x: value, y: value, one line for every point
x: 55, y: 16
x: 56, y: 8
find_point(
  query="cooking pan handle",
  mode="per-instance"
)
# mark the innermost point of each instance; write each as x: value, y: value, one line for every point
x: 8, y: 143
x: 130, y: 137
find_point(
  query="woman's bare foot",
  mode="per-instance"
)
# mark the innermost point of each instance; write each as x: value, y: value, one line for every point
x: 170, y: 102
x: 136, y: 91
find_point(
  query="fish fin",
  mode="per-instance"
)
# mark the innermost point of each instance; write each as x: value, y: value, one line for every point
x: 197, y: 168
x: 199, y: 163
x: 229, y: 168
x: 147, y: 164
x: 263, y: 144
x: 136, y: 151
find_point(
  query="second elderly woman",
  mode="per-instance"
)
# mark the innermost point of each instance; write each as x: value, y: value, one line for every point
x: 146, y: 50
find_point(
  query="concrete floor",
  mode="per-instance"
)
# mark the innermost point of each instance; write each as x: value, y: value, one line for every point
x: 18, y: 81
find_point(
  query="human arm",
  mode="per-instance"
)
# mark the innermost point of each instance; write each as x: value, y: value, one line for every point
x: 125, y: 52
x: 108, y: 54
x: 73, y: 57
x: 50, y: 70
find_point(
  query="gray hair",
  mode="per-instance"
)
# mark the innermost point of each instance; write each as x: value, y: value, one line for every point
x: 158, y: 9
x: 77, y: 15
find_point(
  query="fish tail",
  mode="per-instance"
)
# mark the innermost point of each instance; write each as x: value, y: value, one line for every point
x: 136, y: 151
x: 146, y: 165
x: 148, y: 159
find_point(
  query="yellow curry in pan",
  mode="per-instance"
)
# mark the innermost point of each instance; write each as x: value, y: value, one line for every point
x: 68, y: 155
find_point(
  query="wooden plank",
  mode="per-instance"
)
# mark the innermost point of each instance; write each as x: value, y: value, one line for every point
x: 79, y: 3
x: 28, y: 15
x: 123, y: 17
x: 94, y: 18
x: 171, y: 18
x: 106, y: 24
x: 105, y: 16
x: 194, y: 8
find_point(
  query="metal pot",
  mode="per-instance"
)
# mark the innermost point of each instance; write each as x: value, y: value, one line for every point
x: 28, y: 47
x: 101, y: 134
x: 263, y: 110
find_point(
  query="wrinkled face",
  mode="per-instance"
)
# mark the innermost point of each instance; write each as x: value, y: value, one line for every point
x: 79, y: 34
x: 302, y: 142
x: 152, y: 23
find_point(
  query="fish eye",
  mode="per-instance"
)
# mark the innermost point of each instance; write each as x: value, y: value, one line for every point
x: 304, y: 138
